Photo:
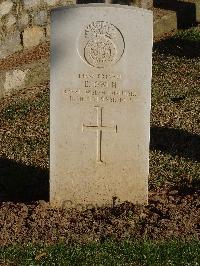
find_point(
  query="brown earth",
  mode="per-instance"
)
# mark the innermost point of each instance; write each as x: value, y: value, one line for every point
x: 25, y: 57
x: 170, y: 214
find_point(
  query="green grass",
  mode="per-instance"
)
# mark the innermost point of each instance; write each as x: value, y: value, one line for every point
x: 192, y: 34
x: 175, y: 109
x: 109, y: 253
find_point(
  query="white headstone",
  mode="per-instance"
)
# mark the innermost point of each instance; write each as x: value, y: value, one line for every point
x: 100, y: 104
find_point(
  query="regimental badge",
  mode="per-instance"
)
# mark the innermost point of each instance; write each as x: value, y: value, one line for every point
x: 101, y: 44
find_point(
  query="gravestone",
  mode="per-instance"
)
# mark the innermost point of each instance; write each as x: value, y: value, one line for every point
x: 100, y: 105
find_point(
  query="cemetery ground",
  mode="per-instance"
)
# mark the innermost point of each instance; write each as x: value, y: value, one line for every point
x: 166, y: 232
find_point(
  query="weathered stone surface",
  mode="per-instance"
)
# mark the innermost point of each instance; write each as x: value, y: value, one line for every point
x: 198, y: 11
x: 40, y: 18
x: 68, y: 2
x: 165, y: 24
x: 33, y: 75
x: 48, y: 31
x: 31, y: 4
x: 143, y: 3
x: 14, y: 80
x: 5, y: 7
x: 11, y: 20
x: 23, y: 20
x: 100, y: 105
x: 51, y: 2
x: 11, y: 44
x: 147, y: 4
x: 33, y: 36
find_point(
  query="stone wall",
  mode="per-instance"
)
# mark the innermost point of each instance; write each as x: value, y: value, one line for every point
x: 25, y: 23
x: 143, y: 3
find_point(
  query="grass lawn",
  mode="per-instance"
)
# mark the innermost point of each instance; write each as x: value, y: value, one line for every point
x: 108, y: 253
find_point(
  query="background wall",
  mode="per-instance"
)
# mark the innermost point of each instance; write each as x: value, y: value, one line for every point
x: 25, y: 23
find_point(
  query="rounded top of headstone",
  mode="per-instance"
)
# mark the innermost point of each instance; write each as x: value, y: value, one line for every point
x: 102, y: 5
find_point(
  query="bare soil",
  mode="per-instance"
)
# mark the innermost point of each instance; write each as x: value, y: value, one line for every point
x: 25, y: 57
x: 170, y: 214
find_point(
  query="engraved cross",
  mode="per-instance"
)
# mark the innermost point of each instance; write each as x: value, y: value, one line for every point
x: 99, y: 127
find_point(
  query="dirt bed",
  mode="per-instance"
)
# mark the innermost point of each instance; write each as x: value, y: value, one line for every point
x: 170, y: 214
x: 25, y: 57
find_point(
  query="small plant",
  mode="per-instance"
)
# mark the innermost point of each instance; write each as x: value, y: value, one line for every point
x: 190, y: 35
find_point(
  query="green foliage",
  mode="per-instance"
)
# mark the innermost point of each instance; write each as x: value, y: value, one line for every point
x: 171, y: 252
x: 192, y: 34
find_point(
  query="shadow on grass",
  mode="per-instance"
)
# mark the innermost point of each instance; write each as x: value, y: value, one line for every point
x: 176, y: 142
x: 188, y: 187
x: 21, y: 183
x: 178, y: 46
x: 185, y: 11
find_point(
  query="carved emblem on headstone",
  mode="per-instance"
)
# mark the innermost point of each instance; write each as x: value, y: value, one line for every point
x: 101, y: 44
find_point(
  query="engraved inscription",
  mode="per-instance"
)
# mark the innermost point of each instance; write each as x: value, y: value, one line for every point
x: 101, y: 44
x: 100, y: 96
x: 99, y: 128
x: 101, y: 76
x: 99, y: 80
x: 100, y: 88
